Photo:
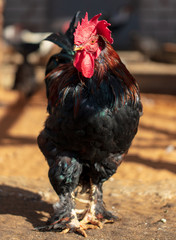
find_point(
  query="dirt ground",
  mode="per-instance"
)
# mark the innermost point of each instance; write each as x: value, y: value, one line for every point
x: 142, y: 192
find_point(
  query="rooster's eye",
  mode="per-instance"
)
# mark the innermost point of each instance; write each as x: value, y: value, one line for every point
x: 93, y: 41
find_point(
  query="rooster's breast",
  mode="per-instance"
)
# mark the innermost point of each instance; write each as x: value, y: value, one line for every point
x: 95, y: 132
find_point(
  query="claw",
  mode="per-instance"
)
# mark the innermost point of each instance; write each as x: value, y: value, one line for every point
x: 82, y: 232
x: 76, y: 229
x: 93, y: 226
x: 108, y: 221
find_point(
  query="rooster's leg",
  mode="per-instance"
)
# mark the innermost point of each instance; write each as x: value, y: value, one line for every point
x: 64, y: 175
x: 96, y: 213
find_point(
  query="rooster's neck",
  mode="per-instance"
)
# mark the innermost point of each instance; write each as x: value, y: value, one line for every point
x: 109, y: 64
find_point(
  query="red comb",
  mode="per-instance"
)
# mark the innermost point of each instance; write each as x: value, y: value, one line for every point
x: 89, y: 28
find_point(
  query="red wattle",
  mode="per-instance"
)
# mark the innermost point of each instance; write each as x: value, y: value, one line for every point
x: 84, y: 63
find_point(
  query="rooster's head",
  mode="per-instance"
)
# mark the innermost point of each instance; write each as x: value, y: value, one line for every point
x: 89, y: 40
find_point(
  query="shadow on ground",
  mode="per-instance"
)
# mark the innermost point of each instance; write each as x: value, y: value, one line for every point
x: 20, y: 202
x: 147, y: 162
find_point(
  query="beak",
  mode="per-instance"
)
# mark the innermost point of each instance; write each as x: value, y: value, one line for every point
x: 77, y: 48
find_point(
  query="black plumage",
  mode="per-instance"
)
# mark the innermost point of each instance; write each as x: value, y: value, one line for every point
x: 90, y: 127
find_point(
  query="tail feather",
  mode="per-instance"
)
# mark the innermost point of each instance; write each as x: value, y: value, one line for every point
x: 65, y: 41
x: 72, y: 27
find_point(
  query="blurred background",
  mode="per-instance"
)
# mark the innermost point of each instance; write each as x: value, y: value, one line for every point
x: 144, y: 33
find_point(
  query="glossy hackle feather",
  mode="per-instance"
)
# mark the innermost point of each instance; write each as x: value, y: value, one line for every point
x: 107, y: 66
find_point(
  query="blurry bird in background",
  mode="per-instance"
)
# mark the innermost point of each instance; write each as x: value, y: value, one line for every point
x: 94, y: 109
x: 121, y: 17
x: 24, y: 42
x: 25, y: 80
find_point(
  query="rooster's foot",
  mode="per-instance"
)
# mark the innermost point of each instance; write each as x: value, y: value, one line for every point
x: 97, y: 215
x: 69, y: 224
x: 58, y: 225
x: 79, y: 227
x: 91, y: 220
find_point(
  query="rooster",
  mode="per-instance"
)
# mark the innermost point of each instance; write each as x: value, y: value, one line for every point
x: 94, y: 109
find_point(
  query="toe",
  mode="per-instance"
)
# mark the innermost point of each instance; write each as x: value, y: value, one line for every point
x: 76, y: 229
x: 81, y: 231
